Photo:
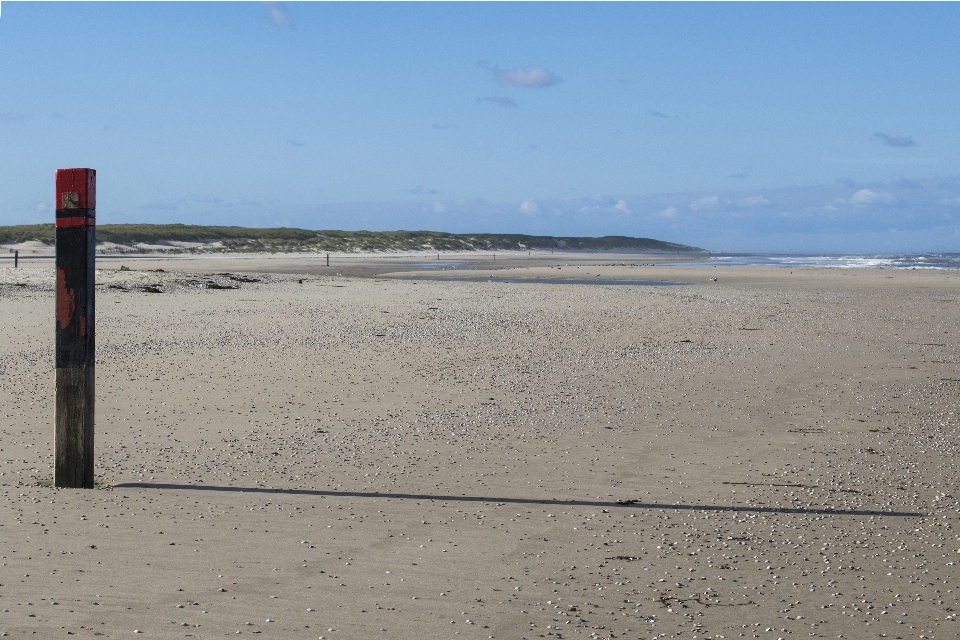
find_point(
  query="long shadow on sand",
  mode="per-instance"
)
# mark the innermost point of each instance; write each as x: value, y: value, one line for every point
x: 635, y: 504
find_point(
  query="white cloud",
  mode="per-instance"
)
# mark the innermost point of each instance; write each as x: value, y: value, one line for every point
x: 755, y: 201
x: 669, y: 212
x: 439, y: 207
x: 865, y: 197
x: 622, y: 206
x: 278, y: 14
x: 422, y: 189
x: 531, y: 77
x: 529, y: 206
x: 705, y: 203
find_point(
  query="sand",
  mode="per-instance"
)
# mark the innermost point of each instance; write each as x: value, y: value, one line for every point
x: 771, y: 455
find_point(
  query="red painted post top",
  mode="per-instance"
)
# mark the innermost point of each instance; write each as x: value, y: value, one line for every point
x: 76, y: 189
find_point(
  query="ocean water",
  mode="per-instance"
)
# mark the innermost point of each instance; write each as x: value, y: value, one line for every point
x: 878, y: 261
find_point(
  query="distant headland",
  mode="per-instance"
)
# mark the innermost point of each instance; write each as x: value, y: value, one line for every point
x: 196, y: 238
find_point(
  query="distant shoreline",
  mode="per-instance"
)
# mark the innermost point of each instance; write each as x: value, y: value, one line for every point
x: 426, y: 259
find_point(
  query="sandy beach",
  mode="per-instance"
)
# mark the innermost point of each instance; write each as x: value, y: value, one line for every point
x: 302, y: 451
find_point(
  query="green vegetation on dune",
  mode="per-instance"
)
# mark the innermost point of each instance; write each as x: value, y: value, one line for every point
x: 289, y: 239
x: 27, y: 232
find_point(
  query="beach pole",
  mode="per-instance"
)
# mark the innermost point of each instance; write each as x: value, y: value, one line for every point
x: 76, y: 242
x: 328, y: 259
x: 16, y: 259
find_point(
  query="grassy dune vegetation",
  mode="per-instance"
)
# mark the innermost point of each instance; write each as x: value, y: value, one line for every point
x: 288, y: 239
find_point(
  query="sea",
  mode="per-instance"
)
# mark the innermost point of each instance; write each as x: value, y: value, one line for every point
x: 876, y: 261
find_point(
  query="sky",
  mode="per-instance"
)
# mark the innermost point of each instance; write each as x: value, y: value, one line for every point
x: 769, y: 127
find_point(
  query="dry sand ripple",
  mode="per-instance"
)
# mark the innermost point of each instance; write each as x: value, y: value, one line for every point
x: 771, y: 455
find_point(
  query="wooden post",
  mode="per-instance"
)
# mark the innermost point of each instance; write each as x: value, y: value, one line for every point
x: 328, y: 259
x: 76, y: 241
x: 16, y: 259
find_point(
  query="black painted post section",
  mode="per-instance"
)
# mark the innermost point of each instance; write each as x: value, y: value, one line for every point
x: 75, y: 347
x: 16, y: 259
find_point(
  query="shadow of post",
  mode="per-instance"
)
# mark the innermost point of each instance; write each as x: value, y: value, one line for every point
x: 606, y: 504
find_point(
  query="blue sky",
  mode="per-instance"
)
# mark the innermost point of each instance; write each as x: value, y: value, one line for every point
x: 812, y: 127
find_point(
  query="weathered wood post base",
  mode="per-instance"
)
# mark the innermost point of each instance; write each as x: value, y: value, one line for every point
x: 75, y: 346
x: 74, y: 435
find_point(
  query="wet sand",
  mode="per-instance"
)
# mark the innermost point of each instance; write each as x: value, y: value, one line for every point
x: 770, y: 455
